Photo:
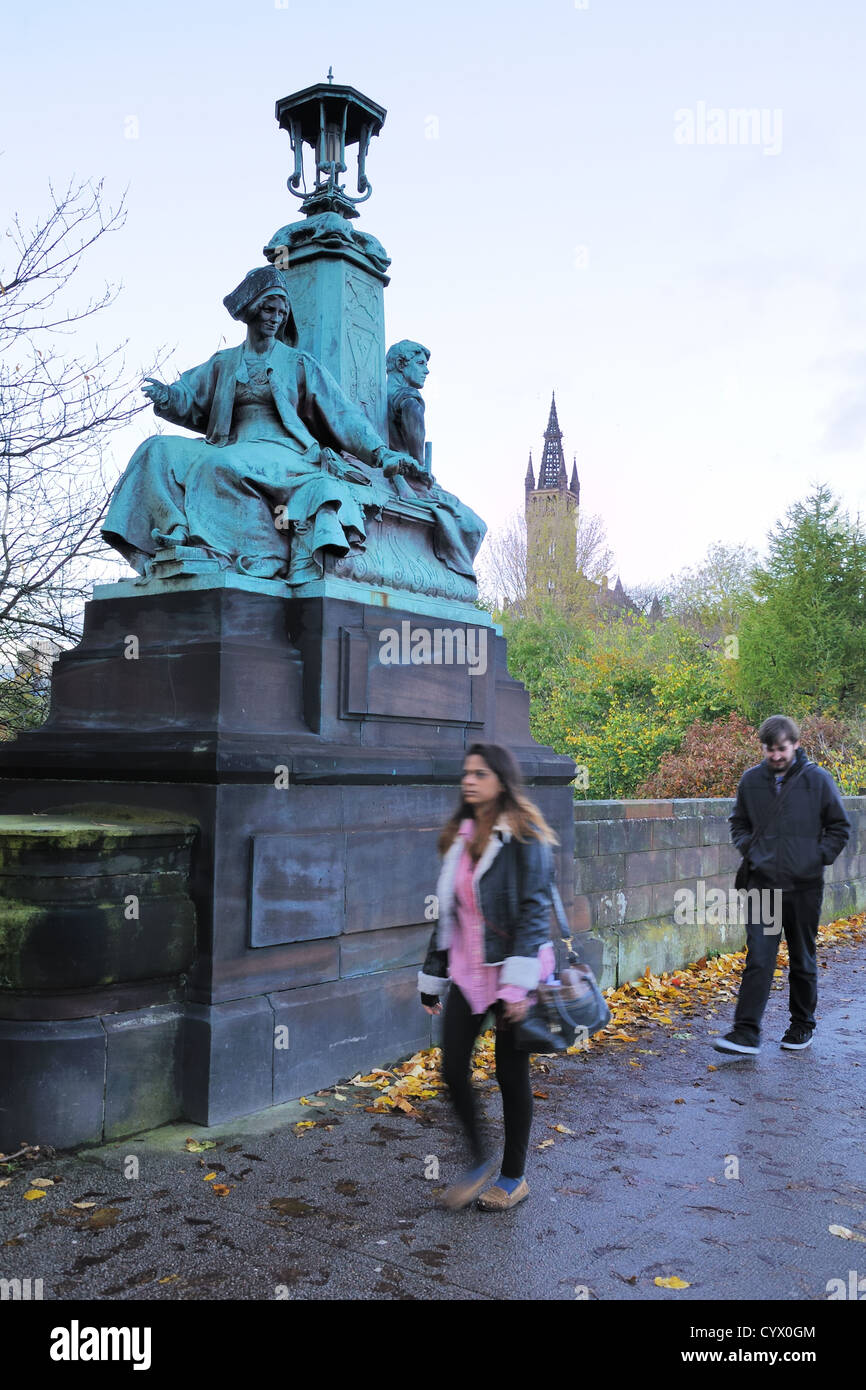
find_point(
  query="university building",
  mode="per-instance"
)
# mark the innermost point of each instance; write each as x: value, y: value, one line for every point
x: 552, y: 517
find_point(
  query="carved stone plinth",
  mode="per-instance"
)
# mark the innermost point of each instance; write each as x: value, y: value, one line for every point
x: 399, y: 556
x: 315, y: 757
x: 398, y: 565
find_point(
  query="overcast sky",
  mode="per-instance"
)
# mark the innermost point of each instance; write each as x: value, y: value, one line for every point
x: 561, y: 211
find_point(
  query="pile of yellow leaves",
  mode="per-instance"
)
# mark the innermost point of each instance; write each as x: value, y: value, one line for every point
x: 699, y: 987
x: 417, y: 1079
x: 667, y: 1000
x: 846, y: 931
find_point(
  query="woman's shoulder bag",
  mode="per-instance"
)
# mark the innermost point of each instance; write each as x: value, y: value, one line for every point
x: 569, y: 1007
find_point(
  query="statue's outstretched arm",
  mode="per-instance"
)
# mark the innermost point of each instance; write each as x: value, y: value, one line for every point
x: 188, y: 400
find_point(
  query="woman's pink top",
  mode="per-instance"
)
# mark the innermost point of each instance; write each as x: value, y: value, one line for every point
x: 478, y: 982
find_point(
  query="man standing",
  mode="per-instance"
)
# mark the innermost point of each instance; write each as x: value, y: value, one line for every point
x: 788, y: 823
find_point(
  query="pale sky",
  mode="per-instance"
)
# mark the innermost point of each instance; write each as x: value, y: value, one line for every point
x: 699, y: 308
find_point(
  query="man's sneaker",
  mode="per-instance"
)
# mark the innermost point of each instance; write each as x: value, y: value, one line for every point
x: 797, y: 1038
x: 736, y: 1041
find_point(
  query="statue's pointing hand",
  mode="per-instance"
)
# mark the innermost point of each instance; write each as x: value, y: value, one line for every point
x: 156, y: 391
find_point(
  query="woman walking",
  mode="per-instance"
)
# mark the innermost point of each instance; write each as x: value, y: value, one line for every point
x: 492, y: 939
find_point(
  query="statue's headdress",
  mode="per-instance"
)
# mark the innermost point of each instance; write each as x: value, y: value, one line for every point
x: 256, y: 284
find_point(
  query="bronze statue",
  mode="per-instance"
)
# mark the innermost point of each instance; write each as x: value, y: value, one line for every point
x: 277, y: 495
x: 406, y: 365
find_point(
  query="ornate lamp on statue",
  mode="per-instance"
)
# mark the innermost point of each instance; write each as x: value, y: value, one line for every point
x: 335, y: 272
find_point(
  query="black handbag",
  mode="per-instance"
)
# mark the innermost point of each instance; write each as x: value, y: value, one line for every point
x: 569, y: 1008
x: 741, y: 878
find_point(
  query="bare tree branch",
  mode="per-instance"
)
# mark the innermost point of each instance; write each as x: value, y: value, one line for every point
x: 505, y: 579
x: 58, y: 411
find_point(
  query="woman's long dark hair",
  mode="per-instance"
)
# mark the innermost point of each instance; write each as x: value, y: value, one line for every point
x: 524, y: 817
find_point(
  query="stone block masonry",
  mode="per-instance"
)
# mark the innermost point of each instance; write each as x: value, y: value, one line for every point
x: 217, y: 860
x: 631, y: 858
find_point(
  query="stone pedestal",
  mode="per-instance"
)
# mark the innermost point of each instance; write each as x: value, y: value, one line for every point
x: 317, y: 774
x: 97, y: 930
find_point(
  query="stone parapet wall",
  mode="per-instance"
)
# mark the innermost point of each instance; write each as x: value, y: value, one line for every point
x: 632, y: 857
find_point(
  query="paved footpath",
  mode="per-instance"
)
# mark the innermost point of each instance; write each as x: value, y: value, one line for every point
x: 640, y: 1190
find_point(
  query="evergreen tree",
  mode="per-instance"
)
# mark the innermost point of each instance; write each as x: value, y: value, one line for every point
x: 802, y: 641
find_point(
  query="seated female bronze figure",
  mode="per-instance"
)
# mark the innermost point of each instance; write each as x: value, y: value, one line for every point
x: 265, y: 491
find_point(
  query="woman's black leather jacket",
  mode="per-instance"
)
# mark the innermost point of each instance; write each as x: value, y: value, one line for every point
x: 513, y: 882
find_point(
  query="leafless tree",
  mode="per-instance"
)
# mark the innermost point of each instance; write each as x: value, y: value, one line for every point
x: 502, y: 562
x: 594, y: 557
x: 710, y: 597
x: 645, y: 598
x: 58, y: 408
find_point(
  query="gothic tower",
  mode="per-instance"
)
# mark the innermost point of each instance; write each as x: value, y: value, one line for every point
x: 551, y: 518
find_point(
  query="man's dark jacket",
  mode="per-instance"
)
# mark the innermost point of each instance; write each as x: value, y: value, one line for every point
x: 807, y: 831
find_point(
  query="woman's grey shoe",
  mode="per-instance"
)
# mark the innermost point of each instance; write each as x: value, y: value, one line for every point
x: 467, y: 1188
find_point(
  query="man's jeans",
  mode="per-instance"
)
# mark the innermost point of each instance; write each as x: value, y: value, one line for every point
x: 801, y: 908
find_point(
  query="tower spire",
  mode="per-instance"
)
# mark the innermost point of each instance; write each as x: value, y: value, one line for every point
x: 551, y: 473
x: 551, y: 517
x: 530, y: 476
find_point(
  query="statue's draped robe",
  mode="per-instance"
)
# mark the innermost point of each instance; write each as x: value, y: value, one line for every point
x: 260, y: 466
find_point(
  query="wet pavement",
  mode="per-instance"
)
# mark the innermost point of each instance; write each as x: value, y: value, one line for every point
x: 726, y: 1173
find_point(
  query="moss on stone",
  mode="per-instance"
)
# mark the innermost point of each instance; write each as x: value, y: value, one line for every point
x: 17, y: 920
x: 27, y: 840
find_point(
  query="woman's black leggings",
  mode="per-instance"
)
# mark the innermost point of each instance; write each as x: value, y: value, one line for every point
x: 460, y: 1028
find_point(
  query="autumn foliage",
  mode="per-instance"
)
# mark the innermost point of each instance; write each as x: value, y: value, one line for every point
x: 670, y: 705
x: 840, y: 748
x: 712, y: 757
x: 709, y: 762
